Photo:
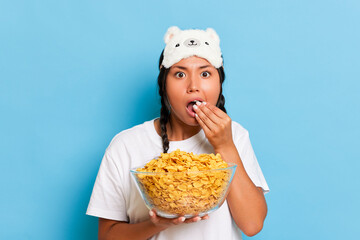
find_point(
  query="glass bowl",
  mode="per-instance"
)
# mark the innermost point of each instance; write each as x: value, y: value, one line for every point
x: 188, y: 194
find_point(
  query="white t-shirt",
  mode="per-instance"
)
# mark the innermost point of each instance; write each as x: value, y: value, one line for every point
x: 116, y: 197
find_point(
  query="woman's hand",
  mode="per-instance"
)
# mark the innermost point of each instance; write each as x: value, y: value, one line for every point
x: 215, y: 123
x: 167, y: 222
x: 111, y: 229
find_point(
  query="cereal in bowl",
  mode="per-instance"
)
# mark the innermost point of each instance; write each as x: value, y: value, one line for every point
x: 186, y: 183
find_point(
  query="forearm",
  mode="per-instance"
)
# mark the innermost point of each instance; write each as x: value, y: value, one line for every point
x: 246, y: 202
x: 111, y: 230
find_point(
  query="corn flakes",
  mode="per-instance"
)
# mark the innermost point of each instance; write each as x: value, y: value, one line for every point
x: 185, y: 186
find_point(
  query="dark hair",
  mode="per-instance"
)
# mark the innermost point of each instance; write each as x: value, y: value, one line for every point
x: 165, y: 105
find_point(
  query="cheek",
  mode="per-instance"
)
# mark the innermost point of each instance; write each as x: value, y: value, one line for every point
x: 212, y: 90
x: 174, y: 94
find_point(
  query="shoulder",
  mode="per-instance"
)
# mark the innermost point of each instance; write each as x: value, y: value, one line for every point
x: 238, y: 130
x: 131, y: 135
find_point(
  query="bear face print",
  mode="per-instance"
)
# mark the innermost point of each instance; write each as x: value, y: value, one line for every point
x: 192, y: 42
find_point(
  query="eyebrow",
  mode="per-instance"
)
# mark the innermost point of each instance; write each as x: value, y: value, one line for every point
x: 184, y: 68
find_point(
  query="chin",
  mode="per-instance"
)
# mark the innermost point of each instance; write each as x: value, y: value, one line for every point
x: 191, y: 122
x: 185, y: 119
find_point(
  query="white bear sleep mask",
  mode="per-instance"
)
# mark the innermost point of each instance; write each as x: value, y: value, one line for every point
x: 182, y: 44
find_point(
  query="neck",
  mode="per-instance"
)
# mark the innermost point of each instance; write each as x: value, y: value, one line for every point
x: 178, y: 130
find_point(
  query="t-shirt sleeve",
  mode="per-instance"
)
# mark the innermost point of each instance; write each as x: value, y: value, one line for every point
x: 107, y: 199
x: 249, y: 160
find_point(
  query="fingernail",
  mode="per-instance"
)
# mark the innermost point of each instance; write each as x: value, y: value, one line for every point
x: 195, y: 107
x: 197, y: 219
x: 151, y: 213
x: 196, y: 115
x: 182, y: 219
x: 198, y: 103
x: 204, y: 103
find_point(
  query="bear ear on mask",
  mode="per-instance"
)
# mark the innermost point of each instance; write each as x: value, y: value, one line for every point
x: 213, y: 35
x: 171, y: 32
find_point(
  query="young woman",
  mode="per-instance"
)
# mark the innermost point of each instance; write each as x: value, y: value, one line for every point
x: 193, y: 119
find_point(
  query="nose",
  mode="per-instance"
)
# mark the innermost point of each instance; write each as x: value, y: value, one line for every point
x: 192, y: 41
x: 193, y: 85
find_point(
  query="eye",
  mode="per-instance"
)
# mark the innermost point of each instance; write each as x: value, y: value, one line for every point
x: 180, y: 75
x: 177, y: 45
x: 205, y: 74
x: 206, y: 43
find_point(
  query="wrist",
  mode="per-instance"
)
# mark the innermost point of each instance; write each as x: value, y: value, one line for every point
x: 155, y: 228
x: 158, y: 226
x: 224, y: 148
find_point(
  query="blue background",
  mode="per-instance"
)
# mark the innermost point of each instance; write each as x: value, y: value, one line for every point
x: 75, y: 73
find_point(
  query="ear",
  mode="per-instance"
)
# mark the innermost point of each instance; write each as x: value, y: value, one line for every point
x: 171, y: 32
x: 213, y: 34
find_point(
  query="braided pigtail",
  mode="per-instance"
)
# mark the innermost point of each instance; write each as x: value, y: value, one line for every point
x: 165, y: 106
x: 164, y: 118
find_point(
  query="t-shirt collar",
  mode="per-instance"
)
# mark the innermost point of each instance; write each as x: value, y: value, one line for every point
x: 183, y: 144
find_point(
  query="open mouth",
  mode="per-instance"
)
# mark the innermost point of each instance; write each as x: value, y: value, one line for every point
x: 190, y: 108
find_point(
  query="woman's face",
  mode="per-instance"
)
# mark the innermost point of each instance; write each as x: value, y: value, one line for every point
x: 191, y: 79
